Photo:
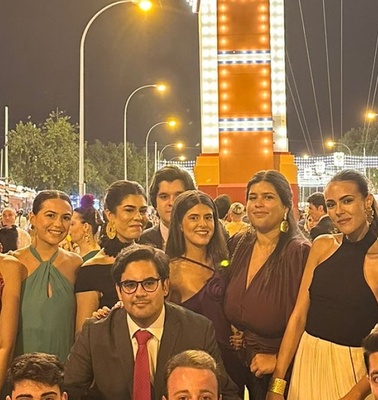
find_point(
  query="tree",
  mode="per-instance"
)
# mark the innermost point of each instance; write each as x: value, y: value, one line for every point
x: 107, y: 164
x: 363, y: 141
x: 45, y: 157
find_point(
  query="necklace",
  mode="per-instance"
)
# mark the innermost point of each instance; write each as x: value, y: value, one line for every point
x: 196, y: 262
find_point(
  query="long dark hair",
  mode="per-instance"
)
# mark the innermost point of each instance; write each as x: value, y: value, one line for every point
x: 283, y: 189
x: 216, y: 249
x: 114, y: 196
x: 363, y: 185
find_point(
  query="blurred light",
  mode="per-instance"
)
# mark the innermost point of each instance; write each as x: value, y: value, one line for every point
x: 145, y: 5
x: 161, y: 87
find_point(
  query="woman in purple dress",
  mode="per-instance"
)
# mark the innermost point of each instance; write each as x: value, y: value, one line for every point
x: 265, y: 273
x: 197, y: 248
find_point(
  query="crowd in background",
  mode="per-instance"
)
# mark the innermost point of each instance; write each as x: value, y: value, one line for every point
x: 290, y: 298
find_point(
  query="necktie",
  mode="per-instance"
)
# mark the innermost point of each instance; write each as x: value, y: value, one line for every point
x: 142, y: 386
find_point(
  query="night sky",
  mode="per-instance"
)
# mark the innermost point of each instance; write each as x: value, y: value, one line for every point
x: 125, y: 48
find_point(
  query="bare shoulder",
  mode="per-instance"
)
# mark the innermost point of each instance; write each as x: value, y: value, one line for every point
x: 100, y: 258
x: 323, y: 247
x: 373, y: 251
x: 11, y: 267
x: 69, y: 258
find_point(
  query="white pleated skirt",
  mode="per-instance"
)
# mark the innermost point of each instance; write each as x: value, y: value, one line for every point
x: 324, y: 370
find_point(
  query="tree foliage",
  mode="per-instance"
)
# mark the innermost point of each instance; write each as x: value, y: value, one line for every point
x: 47, y: 157
x: 44, y: 157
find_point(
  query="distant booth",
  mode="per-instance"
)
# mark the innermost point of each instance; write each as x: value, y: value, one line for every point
x: 17, y: 197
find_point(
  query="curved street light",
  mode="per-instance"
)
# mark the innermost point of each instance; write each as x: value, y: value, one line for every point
x: 332, y: 144
x: 178, y: 145
x: 144, y: 5
x: 160, y: 88
x: 172, y: 123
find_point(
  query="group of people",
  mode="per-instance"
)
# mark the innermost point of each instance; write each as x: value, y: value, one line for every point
x: 255, y: 303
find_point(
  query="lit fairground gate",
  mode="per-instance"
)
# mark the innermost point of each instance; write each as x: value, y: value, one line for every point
x: 243, y: 100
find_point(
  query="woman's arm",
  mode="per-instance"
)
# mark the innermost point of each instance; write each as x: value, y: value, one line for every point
x: 86, y: 304
x: 11, y: 271
x: 297, y: 321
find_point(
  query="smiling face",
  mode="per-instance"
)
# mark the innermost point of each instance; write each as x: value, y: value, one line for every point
x: 346, y: 208
x: 52, y: 221
x: 143, y: 307
x: 198, y: 226
x: 265, y: 209
x: 30, y: 390
x: 192, y: 384
x: 167, y: 193
x: 129, y: 217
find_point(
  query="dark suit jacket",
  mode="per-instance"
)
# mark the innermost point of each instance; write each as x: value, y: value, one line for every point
x: 153, y: 237
x: 324, y: 226
x: 103, y: 352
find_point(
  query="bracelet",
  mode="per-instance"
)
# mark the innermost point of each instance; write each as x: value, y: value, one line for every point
x: 277, y: 385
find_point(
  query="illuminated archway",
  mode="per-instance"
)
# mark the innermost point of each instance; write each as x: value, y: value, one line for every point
x: 243, y: 99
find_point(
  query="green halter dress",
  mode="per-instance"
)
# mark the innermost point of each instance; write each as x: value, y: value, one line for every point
x: 46, y: 323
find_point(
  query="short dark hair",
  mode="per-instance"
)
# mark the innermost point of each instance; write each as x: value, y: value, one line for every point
x: 216, y: 249
x: 317, y: 199
x: 370, y: 346
x: 139, y: 252
x: 48, y: 195
x: 196, y: 359
x: 223, y: 203
x: 36, y: 367
x: 118, y: 190
x: 169, y: 173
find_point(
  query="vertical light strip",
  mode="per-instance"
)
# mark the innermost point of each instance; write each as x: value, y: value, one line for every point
x: 277, y: 44
x: 209, y: 76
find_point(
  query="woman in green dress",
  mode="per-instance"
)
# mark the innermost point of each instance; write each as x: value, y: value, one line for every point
x: 47, y: 312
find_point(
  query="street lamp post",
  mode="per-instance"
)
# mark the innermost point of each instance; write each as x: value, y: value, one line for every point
x: 333, y: 144
x: 170, y: 123
x: 161, y: 88
x: 81, y: 85
x: 178, y: 145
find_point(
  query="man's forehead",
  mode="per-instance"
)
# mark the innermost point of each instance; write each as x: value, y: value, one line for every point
x: 171, y: 186
x: 30, y: 390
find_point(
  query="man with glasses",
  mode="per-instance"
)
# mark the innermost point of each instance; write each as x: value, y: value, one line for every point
x: 126, y: 353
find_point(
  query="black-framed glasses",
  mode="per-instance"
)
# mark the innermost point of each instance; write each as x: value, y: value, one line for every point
x: 149, y: 285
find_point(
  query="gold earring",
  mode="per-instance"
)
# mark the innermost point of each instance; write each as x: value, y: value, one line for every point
x: 111, y: 230
x: 369, y: 215
x: 87, y: 237
x: 284, y: 226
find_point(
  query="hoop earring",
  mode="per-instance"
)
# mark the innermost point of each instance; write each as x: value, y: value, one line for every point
x: 369, y: 215
x: 111, y: 230
x: 87, y: 238
x: 284, y: 225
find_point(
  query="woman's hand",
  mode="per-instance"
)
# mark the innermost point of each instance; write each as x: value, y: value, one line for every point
x: 103, y: 312
x: 236, y: 339
x: 263, y: 364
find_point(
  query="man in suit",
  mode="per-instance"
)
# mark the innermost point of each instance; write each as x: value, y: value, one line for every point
x: 108, y: 351
x: 370, y: 346
x: 36, y: 376
x: 167, y: 183
x: 192, y: 374
x: 317, y: 209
